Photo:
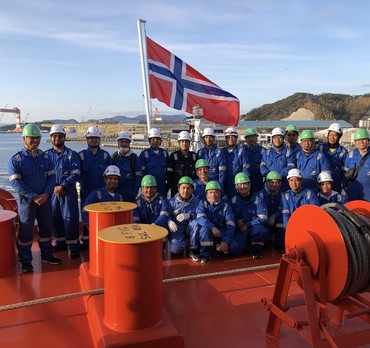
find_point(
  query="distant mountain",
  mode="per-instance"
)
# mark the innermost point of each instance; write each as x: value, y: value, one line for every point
x: 69, y: 121
x: 326, y: 106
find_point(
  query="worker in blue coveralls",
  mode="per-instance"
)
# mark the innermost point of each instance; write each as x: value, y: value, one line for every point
x: 296, y: 196
x: 154, y: 160
x: 254, y: 153
x: 291, y: 138
x: 94, y: 161
x: 216, y: 224
x: 278, y: 158
x: 360, y: 187
x: 31, y: 174
x: 181, y: 162
x: 336, y: 155
x: 182, y: 223
x: 64, y: 201
x: 271, y: 195
x: 152, y: 207
x: 236, y: 160
x: 107, y: 193
x: 130, y: 168
x: 326, y: 193
x: 310, y: 161
x: 214, y: 156
x: 250, y: 214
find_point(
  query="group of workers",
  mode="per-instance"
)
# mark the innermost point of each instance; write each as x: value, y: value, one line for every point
x: 226, y: 201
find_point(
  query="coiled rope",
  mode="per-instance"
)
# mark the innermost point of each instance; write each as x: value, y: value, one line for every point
x: 101, y: 291
x: 355, y: 229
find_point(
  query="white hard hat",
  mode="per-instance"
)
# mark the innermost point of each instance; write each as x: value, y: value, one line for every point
x: 278, y: 131
x: 57, y: 128
x: 231, y: 131
x: 324, y: 176
x: 112, y: 170
x: 335, y: 127
x: 208, y: 131
x: 154, y: 133
x: 124, y: 135
x: 184, y: 135
x: 294, y: 173
x: 93, y: 131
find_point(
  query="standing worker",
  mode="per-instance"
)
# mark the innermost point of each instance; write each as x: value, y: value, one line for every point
x: 94, y: 161
x: 64, y: 201
x: 154, y: 160
x: 130, y: 168
x: 181, y: 162
x: 32, y: 175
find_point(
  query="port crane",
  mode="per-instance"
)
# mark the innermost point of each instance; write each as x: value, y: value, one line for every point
x: 17, y: 113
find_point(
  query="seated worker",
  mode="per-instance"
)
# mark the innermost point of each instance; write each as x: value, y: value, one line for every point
x: 152, y: 207
x: 108, y: 193
x: 296, y: 196
x: 183, y: 223
x: 250, y: 214
x: 271, y: 195
x: 326, y: 193
x: 216, y: 223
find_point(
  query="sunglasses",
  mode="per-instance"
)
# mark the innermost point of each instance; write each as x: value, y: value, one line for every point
x: 291, y: 134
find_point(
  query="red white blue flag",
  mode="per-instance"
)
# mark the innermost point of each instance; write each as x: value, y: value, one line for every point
x: 181, y: 87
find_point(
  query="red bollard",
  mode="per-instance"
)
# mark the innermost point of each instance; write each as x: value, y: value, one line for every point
x: 133, y: 288
x: 103, y: 215
x: 8, y: 258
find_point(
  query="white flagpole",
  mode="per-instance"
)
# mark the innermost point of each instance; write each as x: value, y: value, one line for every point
x: 144, y: 70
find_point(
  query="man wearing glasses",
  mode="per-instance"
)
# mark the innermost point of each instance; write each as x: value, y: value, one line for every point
x: 291, y: 138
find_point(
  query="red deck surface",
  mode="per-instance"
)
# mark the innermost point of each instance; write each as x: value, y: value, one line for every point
x: 215, y: 311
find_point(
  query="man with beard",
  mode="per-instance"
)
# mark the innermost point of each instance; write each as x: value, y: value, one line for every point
x: 310, y: 161
x: 64, y: 201
x: 130, y: 168
x: 216, y: 224
x: 183, y: 223
x: 214, y: 156
x: 236, y: 160
x: 271, y: 195
x: 31, y: 174
x: 107, y: 193
x: 181, y: 162
x: 296, y: 196
x: 94, y: 161
x: 278, y: 158
x: 250, y: 213
x: 254, y: 153
x: 154, y: 160
x: 326, y: 193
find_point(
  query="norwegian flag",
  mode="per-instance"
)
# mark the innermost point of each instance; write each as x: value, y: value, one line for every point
x: 181, y: 87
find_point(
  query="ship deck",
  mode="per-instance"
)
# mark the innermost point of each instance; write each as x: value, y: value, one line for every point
x: 211, y: 305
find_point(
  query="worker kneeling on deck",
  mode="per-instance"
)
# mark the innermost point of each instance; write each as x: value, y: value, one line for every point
x: 108, y: 193
x: 152, y: 207
x: 216, y: 224
x: 250, y: 213
x: 182, y: 223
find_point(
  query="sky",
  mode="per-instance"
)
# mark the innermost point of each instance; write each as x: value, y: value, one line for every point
x: 80, y: 59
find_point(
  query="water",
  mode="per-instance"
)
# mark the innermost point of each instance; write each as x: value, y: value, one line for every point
x: 11, y: 143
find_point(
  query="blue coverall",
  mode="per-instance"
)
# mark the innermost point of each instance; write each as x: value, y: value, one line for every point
x: 255, y: 158
x: 335, y: 197
x: 217, y: 163
x: 30, y: 177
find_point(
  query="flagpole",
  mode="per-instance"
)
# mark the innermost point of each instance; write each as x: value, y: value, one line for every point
x: 144, y: 70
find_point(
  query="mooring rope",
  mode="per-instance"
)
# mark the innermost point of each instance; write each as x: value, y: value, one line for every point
x: 101, y: 291
x: 355, y: 230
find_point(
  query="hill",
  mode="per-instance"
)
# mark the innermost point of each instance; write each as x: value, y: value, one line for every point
x: 326, y: 106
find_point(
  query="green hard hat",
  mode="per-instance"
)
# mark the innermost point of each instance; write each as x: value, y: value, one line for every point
x: 148, y: 180
x: 292, y: 128
x: 201, y: 163
x: 361, y: 134
x: 250, y: 131
x: 273, y: 175
x: 31, y: 130
x: 241, y: 178
x: 186, y: 180
x: 307, y: 134
x: 213, y: 185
